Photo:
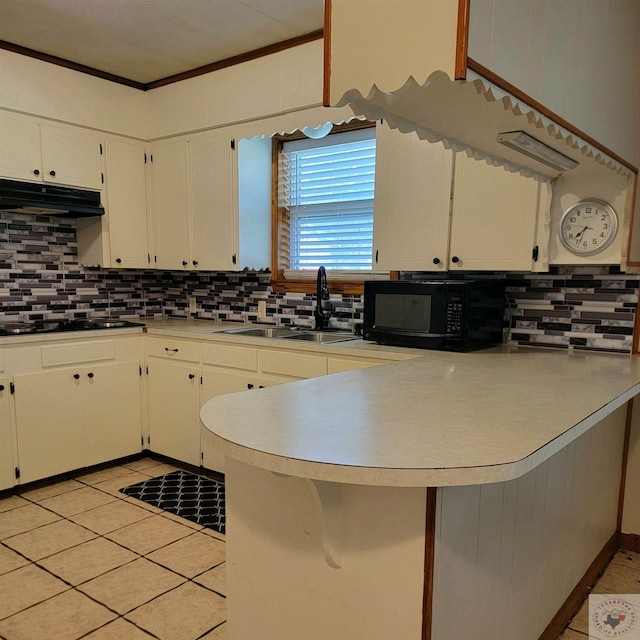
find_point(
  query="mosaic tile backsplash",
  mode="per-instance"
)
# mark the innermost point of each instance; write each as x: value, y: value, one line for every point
x: 582, y: 308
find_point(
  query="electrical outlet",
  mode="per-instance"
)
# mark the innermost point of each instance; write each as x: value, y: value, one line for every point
x: 262, y: 308
x: 192, y: 304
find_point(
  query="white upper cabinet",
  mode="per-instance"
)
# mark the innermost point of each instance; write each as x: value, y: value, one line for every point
x: 119, y: 238
x: 71, y: 156
x: 31, y: 150
x: 126, y: 202
x: 412, y: 202
x: 19, y: 148
x: 170, y: 205
x: 494, y: 218
x: 214, y: 201
x: 195, y: 211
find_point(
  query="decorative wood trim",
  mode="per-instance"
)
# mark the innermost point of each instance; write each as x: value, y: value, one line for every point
x: 142, y: 86
x: 243, y: 57
x: 625, y: 459
x: 326, y: 78
x: 630, y: 542
x: 576, y: 597
x: 69, y: 64
x: 629, y: 239
x: 534, y: 104
x: 309, y: 286
x: 462, y: 40
x: 429, y: 559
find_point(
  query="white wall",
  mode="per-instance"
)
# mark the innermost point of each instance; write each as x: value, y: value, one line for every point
x: 548, y: 50
x: 38, y: 88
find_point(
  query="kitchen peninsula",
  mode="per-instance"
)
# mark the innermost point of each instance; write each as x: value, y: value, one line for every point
x: 447, y: 496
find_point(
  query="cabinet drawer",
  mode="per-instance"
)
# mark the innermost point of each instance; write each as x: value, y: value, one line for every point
x: 1, y: 360
x: 228, y: 356
x: 60, y: 354
x: 298, y: 365
x: 173, y: 349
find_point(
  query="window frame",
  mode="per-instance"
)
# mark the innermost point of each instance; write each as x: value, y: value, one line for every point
x: 351, y: 286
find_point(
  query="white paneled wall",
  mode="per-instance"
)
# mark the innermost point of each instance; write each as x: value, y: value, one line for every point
x: 285, y: 81
x: 498, y: 545
x: 42, y: 89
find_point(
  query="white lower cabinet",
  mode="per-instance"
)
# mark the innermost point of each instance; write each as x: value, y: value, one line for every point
x: 112, y: 411
x: 6, y: 448
x: 173, y: 401
x: 49, y: 423
x: 74, y: 417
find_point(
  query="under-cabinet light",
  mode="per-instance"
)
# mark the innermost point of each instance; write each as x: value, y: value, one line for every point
x: 524, y: 143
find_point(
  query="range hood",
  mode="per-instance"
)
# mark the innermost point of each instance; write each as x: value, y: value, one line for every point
x: 49, y: 199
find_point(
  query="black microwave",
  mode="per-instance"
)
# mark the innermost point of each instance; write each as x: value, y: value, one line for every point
x: 450, y: 315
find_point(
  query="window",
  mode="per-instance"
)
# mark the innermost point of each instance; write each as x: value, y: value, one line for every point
x: 324, y: 215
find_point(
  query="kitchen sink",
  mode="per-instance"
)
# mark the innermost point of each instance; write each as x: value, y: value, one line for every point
x: 263, y: 332
x: 320, y: 336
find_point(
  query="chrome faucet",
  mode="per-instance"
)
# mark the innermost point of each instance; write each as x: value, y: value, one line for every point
x: 322, y: 293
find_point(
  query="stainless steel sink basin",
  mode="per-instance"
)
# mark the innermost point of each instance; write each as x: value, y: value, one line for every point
x: 320, y: 336
x: 263, y: 332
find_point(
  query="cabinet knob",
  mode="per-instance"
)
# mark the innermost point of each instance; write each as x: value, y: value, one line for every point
x: 184, y: 263
x: 1, y: 387
x: 436, y: 261
x: 89, y: 375
x: 76, y: 376
x: 118, y: 260
x: 36, y: 172
x: 52, y: 173
x: 249, y: 386
x: 455, y: 259
x: 195, y: 263
x: 192, y: 376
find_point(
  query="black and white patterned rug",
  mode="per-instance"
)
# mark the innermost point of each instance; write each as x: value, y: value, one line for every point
x: 188, y: 495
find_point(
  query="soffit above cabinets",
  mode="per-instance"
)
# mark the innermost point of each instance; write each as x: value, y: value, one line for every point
x: 147, y: 40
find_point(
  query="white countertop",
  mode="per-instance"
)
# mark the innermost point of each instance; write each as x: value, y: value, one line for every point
x: 437, y: 420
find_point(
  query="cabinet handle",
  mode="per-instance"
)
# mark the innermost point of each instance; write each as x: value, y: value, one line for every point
x: 118, y: 260
x: 249, y: 386
x: 192, y: 376
x: 376, y: 256
x: 76, y: 376
x: 52, y: 173
x: 261, y: 386
x: 436, y: 261
x: 184, y: 263
x: 171, y: 350
x: 89, y: 375
x: 36, y: 172
x: 455, y: 259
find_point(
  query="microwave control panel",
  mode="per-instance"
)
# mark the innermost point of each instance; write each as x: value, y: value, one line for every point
x: 454, y: 315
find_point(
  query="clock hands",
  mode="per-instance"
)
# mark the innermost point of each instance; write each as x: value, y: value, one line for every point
x: 579, y: 235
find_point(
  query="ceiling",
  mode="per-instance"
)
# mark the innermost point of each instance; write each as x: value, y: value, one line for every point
x: 149, y: 40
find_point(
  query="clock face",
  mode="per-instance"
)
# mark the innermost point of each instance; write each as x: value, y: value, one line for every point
x: 588, y: 227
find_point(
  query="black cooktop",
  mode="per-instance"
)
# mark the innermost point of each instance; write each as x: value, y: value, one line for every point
x: 54, y: 326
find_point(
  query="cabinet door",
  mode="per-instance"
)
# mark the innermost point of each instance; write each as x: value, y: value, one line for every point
x: 6, y: 447
x: 174, y: 423
x: 127, y: 203
x: 111, y: 396
x: 49, y: 423
x: 494, y: 215
x: 71, y: 157
x: 19, y: 148
x: 413, y: 195
x: 214, y: 202
x: 170, y: 212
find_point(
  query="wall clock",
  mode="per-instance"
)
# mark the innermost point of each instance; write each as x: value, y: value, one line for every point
x: 588, y: 227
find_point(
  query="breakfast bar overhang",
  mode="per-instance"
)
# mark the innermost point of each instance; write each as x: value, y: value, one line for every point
x: 449, y: 496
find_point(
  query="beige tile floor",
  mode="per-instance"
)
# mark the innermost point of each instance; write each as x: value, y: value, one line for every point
x: 621, y: 576
x: 78, y: 559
